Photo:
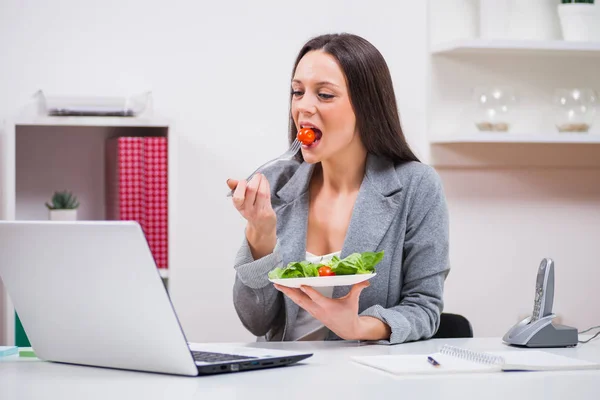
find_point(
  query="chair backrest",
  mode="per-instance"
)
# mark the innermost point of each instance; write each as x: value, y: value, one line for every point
x: 453, y: 326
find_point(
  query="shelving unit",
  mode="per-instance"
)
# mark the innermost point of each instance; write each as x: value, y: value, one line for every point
x: 519, y: 193
x: 106, y: 122
x: 484, y: 47
x: 483, y: 137
x: 40, y: 154
x: 534, y: 69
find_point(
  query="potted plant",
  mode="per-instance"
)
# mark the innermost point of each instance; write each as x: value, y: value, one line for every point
x: 579, y: 20
x: 63, y: 206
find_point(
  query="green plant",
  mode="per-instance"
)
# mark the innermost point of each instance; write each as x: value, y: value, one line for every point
x: 578, y: 1
x: 63, y: 201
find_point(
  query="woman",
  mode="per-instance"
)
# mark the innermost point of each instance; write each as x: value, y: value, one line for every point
x: 357, y: 188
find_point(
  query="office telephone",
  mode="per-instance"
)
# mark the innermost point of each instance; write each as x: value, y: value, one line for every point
x: 538, y: 330
x: 544, y: 290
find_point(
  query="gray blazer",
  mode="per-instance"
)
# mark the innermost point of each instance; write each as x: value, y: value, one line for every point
x: 400, y: 209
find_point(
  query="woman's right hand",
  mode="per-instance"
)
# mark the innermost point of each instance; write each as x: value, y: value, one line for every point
x: 253, y: 201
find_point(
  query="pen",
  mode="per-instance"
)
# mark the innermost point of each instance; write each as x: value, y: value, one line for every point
x: 433, y: 362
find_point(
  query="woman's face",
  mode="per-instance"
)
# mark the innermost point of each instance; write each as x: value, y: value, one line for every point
x: 320, y: 100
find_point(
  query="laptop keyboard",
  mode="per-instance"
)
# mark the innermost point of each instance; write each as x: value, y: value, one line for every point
x: 206, y: 356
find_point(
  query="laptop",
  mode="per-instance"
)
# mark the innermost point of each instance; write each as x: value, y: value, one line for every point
x: 89, y: 293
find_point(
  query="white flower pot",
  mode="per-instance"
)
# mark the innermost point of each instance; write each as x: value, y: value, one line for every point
x: 453, y: 20
x: 493, y: 19
x: 519, y: 19
x: 533, y: 20
x: 580, y: 22
x: 63, y: 215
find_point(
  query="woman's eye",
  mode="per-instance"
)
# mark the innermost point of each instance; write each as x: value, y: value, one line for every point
x: 296, y: 93
x: 326, y: 96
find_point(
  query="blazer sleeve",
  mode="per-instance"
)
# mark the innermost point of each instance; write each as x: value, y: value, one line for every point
x: 424, y: 269
x: 258, y: 304
x: 255, y: 299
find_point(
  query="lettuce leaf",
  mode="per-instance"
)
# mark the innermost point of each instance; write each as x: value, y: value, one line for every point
x: 300, y: 269
x: 355, y: 263
x: 358, y: 263
x: 370, y: 259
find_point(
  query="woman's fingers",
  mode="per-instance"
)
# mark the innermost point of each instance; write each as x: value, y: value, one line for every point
x: 232, y: 183
x: 252, y: 190
x: 239, y: 195
x: 314, y: 295
x: 300, y: 298
x: 263, y: 197
x: 253, y: 199
x: 357, y: 289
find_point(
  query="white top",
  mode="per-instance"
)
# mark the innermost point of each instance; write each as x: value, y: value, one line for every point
x: 306, y: 326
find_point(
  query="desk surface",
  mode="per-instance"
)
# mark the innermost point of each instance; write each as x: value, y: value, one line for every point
x: 329, y: 373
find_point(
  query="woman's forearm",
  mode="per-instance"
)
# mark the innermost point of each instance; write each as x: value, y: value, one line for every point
x: 371, y: 328
x: 261, y: 244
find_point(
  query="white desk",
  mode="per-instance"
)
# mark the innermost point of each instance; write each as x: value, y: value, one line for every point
x: 328, y: 374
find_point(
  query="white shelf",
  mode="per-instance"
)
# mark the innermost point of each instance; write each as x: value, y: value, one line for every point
x: 94, y: 121
x: 499, y: 137
x: 487, y: 47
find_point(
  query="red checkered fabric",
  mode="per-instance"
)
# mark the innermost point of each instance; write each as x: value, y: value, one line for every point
x: 136, y: 188
x: 124, y: 186
x: 155, y: 197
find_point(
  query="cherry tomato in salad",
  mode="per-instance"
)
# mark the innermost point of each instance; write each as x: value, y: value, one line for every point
x: 326, y: 271
x: 306, y: 136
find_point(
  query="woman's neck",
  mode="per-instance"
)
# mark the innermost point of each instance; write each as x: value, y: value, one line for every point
x: 342, y: 174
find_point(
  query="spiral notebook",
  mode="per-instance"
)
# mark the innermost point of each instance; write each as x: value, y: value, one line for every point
x: 453, y: 359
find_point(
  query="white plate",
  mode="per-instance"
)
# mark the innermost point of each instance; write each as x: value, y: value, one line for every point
x: 323, y: 281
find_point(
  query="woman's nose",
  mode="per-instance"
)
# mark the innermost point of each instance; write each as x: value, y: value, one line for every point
x: 306, y: 104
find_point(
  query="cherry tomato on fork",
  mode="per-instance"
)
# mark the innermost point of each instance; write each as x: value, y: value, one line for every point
x: 326, y: 271
x: 306, y: 136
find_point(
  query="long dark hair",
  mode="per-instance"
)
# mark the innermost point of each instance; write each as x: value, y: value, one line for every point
x: 371, y: 94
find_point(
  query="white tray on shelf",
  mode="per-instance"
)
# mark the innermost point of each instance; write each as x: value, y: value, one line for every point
x: 125, y: 106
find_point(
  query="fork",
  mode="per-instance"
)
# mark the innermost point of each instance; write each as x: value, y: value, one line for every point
x: 288, y: 155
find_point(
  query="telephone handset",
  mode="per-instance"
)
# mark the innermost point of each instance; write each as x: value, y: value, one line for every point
x: 538, y: 329
x: 544, y: 290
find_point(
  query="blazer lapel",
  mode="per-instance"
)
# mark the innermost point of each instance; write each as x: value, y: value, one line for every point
x: 374, y: 210
x: 294, y: 198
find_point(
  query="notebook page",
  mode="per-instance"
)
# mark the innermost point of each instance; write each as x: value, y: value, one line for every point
x: 532, y: 360
x: 417, y: 364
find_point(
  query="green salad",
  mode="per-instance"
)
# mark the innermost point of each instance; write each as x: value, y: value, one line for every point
x: 355, y: 263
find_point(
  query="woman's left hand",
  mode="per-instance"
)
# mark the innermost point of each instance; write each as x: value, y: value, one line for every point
x: 339, y: 315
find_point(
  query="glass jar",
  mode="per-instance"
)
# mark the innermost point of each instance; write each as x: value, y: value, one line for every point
x: 575, y: 109
x: 493, y: 108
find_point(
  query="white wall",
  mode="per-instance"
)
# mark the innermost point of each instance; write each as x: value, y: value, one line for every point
x: 502, y: 223
x: 221, y: 70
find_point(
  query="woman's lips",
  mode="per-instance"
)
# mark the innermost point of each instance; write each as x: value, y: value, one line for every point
x: 318, y: 136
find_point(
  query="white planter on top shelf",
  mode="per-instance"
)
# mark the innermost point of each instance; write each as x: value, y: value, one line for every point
x: 533, y: 20
x: 493, y: 19
x: 519, y: 20
x: 453, y: 20
x: 580, y: 21
x: 63, y: 215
